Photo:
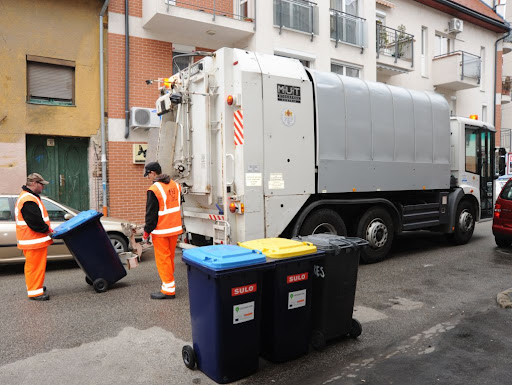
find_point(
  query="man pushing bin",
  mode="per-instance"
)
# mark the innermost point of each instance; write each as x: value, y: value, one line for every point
x: 163, y: 222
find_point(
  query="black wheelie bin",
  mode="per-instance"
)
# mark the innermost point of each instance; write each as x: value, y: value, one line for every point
x: 334, y: 287
x: 287, y: 297
x: 88, y: 242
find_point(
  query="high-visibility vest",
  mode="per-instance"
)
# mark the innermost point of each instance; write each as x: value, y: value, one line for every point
x: 28, y: 238
x: 169, y: 206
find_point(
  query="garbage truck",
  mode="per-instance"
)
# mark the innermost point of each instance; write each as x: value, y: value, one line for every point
x: 265, y: 147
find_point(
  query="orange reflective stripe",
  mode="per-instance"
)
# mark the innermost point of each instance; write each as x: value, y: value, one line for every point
x: 26, y: 237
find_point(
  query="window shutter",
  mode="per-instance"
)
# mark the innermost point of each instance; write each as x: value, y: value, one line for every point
x: 50, y: 81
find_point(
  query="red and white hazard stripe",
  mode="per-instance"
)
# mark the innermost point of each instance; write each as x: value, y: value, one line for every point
x: 216, y: 217
x: 239, y: 127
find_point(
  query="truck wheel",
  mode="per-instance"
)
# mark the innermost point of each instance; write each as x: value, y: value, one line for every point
x: 502, y: 242
x: 464, y: 223
x: 376, y: 226
x: 323, y: 221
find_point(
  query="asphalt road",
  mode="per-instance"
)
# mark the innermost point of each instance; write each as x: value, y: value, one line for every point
x: 429, y: 316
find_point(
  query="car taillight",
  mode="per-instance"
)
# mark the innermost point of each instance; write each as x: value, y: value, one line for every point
x: 497, y: 210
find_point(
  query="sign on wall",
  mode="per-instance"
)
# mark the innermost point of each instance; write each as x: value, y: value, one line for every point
x: 139, y: 153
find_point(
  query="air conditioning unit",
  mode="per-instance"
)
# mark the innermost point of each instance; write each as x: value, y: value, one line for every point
x: 455, y: 25
x: 141, y: 117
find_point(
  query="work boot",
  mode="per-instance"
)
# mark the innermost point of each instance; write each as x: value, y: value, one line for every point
x: 160, y: 295
x: 42, y: 297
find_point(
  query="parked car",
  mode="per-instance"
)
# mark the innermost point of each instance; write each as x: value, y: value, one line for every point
x: 502, y: 220
x: 58, y: 213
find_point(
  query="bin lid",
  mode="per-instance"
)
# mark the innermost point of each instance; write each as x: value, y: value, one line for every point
x: 73, y: 223
x: 221, y: 257
x: 280, y: 247
x: 332, y: 242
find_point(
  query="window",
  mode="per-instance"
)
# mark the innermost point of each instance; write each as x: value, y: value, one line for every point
x: 304, y: 62
x: 424, y: 50
x: 346, y: 26
x: 55, y: 213
x: 342, y: 69
x: 243, y: 8
x: 482, y: 68
x: 484, y: 113
x: 179, y: 63
x: 5, y: 210
x: 471, y: 156
x: 300, y: 15
x: 506, y: 193
x: 50, y: 81
x: 443, y: 45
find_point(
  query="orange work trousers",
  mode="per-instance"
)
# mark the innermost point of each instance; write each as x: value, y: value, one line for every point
x: 35, y: 268
x: 165, y: 248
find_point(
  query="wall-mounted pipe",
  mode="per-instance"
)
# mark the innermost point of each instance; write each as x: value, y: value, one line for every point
x: 126, y: 70
x: 102, y: 115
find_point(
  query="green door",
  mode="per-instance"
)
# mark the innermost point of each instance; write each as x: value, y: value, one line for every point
x: 63, y: 162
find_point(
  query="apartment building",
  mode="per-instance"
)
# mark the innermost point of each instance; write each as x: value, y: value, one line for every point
x: 436, y: 45
x: 503, y: 91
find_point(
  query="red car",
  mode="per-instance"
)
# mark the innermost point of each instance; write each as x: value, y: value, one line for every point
x: 502, y: 220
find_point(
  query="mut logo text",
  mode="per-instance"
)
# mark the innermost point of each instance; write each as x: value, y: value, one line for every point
x: 297, y: 278
x: 247, y: 289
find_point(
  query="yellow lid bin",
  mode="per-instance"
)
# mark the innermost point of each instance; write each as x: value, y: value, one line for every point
x: 279, y: 247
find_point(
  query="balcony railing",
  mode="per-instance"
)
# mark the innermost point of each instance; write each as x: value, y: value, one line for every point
x: 469, y: 64
x: 214, y: 8
x: 299, y: 15
x: 347, y: 28
x: 395, y: 43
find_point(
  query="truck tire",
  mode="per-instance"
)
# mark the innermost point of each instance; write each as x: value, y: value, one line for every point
x: 323, y: 221
x: 376, y: 226
x: 464, y: 223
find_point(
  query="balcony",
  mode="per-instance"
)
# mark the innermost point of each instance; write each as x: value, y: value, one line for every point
x: 296, y: 15
x: 395, y: 50
x: 456, y: 71
x: 347, y: 28
x: 506, y: 84
x: 208, y: 23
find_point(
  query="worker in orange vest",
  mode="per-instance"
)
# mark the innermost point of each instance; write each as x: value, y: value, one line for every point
x: 163, y: 222
x: 33, y: 234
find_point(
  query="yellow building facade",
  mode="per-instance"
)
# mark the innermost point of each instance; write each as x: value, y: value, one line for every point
x: 49, y: 93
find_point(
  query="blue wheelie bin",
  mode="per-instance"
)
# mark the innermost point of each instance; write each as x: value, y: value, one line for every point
x: 88, y: 242
x: 224, y: 283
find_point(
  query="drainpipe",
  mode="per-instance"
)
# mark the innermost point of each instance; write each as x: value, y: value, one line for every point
x: 126, y: 70
x: 495, y: 73
x: 102, y: 116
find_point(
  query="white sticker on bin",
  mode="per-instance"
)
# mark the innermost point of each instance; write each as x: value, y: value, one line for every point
x: 243, y: 312
x: 296, y: 299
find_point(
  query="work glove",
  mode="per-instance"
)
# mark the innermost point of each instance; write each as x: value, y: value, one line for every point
x: 145, y: 236
x: 50, y: 230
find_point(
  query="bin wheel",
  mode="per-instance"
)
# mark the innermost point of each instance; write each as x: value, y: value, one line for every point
x: 100, y: 285
x: 356, y: 329
x: 189, y: 356
x: 318, y: 340
x: 88, y: 280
